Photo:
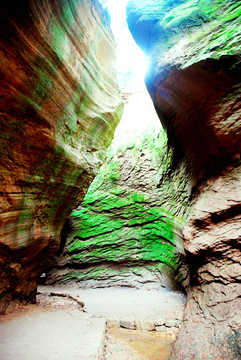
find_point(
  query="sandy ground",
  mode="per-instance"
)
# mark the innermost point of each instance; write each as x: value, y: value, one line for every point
x: 121, y: 303
x: 137, y: 345
x: 57, y: 328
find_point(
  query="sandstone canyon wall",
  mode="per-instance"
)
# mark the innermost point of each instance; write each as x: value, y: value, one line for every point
x: 194, y: 81
x: 60, y: 105
x: 127, y: 231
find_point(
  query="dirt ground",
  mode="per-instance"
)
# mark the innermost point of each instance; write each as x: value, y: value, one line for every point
x: 137, y: 345
x: 119, y: 303
x: 117, y: 324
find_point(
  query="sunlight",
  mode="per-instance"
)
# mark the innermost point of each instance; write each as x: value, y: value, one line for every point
x: 132, y: 64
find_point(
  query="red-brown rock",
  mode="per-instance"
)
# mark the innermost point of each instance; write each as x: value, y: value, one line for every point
x: 194, y: 82
x: 59, y: 107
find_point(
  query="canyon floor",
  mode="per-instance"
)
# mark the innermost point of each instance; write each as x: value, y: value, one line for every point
x: 107, y: 324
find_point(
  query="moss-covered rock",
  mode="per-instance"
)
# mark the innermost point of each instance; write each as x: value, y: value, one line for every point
x: 185, y: 32
x: 127, y: 230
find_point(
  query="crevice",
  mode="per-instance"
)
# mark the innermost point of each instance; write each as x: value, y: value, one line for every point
x: 111, y: 263
x: 217, y: 217
x: 68, y: 296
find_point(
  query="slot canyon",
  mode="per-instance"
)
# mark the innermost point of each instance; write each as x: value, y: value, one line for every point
x: 107, y: 185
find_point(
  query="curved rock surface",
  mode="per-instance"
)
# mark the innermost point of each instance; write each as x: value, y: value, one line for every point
x: 194, y: 82
x: 127, y: 231
x: 60, y: 105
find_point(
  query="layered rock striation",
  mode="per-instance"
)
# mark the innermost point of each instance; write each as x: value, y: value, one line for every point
x: 60, y: 105
x: 127, y: 231
x: 194, y: 82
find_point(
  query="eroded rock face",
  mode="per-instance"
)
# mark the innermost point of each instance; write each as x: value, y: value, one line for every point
x: 127, y: 230
x: 194, y: 83
x: 59, y: 107
x: 212, y: 243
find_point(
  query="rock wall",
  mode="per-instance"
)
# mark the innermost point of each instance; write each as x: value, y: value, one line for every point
x: 127, y: 230
x: 194, y: 82
x: 60, y: 105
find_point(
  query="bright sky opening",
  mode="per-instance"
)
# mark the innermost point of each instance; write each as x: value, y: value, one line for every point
x: 131, y: 61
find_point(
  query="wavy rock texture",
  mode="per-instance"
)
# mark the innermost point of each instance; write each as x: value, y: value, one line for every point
x: 59, y: 108
x: 127, y: 230
x: 194, y: 82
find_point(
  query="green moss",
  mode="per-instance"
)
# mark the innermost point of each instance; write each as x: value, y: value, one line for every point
x: 100, y: 235
x: 114, y: 174
x: 194, y: 24
x: 232, y: 15
x: 119, y: 223
x: 187, y: 19
x: 44, y: 85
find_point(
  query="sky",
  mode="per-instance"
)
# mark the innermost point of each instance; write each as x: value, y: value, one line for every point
x: 131, y: 61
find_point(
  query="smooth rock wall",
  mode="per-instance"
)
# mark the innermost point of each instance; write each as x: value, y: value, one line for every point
x: 60, y: 105
x: 194, y: 82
